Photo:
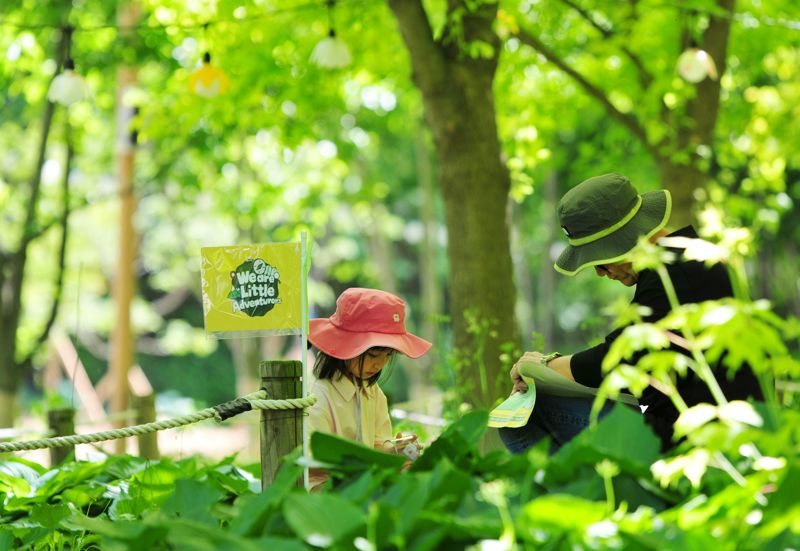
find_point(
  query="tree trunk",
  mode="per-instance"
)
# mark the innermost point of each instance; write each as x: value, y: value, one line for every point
x: 8, y: 407
x: 459, y: 107
x: 687, y: 181
x: 12, y: 269
x: 430, y: 291
x: 682, y: 182
x: 527, y: 307
x: 380, y: 249
x: 546, y: 290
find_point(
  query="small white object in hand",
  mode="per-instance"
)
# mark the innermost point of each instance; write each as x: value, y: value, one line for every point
x: 411, y: 451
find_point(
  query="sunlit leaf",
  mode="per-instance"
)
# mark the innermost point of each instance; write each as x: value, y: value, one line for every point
x: 322, y: 520
x: 694, y: 417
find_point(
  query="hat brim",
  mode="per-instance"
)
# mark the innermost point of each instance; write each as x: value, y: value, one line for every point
x: 344, y: 345
x: 651, y: 217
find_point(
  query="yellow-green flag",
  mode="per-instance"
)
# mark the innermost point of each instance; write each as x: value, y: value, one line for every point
x: 253, y: 288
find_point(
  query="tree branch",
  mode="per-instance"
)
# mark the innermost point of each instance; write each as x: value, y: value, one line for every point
x: 429, y: 67
x: 50, y: 223
x: 704, y: 107
x: 171, y: 301
x: 645, y: 78
x: 627, y: 120
x: 62, y: 250
x: 13, y: 285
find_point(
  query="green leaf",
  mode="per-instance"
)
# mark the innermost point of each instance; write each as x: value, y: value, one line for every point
x: 49, y: 516
x: 739, y: 411
x: 614, y: 433
x: 480, y: 50
x: 124, y: 530
x: 6, y: 539
x: 187, y: 535
x: 13, y: 485
x: 560, y: 513
x: 192, y: 500
x: 22, y: 468
x: 322, y: 519
x: 457, y: 441
x: 783, y: 510
x: 350, y: 455
x: 406, y: 499
x: 83, y: 494
x: 692, y: 465
x: 234, y: 480
x: 361, y: 488
x: 471, y: 426
x: 448, y: 484
x: 253, y: 512
x: 274, y: 543
x: 694, y: 418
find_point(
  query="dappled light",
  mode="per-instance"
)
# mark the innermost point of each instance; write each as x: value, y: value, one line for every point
x: 399, y: 274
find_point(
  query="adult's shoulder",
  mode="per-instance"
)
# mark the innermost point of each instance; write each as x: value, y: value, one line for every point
x: 686, y: 231
x: 694, y: 280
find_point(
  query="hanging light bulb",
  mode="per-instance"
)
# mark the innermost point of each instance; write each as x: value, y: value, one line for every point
x: 208, y: 81
x: 695, y: 64
x: 68, y: 87
x: 331, y: 52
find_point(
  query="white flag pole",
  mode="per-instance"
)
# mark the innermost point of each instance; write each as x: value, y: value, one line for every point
x: 304, y: 344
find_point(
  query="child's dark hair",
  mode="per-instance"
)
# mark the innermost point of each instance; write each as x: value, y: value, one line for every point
x: 328, y: 367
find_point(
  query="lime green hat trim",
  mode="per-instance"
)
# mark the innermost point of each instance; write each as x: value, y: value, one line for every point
x: 611, y: 229
x: 651, y: 233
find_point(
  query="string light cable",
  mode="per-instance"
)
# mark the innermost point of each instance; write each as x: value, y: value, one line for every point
x: 145, y: 26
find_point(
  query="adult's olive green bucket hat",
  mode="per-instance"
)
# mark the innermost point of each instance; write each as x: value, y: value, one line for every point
x: 604, y: 217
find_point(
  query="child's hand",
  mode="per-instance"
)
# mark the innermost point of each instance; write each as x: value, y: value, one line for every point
x: 405, y: 445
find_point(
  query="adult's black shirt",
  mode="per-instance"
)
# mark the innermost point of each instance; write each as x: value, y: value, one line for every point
x: 694, y: 282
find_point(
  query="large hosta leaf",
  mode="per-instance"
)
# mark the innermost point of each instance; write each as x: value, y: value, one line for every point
x: 193, y: 499
x: 322, y: 519
x: 350, y: 455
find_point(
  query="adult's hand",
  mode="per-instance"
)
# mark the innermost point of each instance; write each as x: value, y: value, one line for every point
x: 518, y: 369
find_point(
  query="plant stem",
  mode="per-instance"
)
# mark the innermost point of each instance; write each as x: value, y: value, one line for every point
x: 737, y: 477
x: 702, y: 368
x: 608, y: 482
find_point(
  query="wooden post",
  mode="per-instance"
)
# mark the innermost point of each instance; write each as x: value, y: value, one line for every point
x: 281, y: 430
x: 144, y: 400
x: 122, y: 339
x: 62, y: 423
x: 146, y: 413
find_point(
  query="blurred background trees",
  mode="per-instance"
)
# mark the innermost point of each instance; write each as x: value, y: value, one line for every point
x: 429, y: 166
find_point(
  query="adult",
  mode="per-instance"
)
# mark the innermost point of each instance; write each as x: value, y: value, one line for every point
x: 603, y: 219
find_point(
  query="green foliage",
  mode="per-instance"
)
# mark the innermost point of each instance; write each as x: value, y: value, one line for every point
x: 598, y: 491
x: 292, y: 147
x: 462, y: 374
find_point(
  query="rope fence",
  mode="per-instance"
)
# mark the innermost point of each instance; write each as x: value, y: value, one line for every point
x: 220, y: 412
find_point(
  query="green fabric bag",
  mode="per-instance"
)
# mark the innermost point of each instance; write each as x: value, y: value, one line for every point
x: 516, y: 409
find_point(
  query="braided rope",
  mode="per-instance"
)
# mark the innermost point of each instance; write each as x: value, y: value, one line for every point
x: 290, y: 403
x: 256, y: 399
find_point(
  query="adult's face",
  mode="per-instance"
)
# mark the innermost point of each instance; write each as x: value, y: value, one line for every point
x: 619, y: 271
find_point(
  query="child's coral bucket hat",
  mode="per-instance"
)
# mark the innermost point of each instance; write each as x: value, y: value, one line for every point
x: 365, y: 318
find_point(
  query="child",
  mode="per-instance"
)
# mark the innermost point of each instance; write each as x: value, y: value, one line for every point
x: 354, y: 345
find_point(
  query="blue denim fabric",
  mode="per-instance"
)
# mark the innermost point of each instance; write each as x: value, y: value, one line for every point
x: 556, y: 417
